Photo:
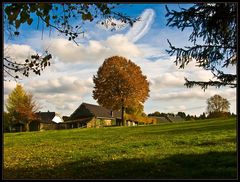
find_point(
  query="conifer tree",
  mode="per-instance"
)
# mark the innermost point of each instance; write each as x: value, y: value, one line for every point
x: 21, y: 106
x: 214, y: 38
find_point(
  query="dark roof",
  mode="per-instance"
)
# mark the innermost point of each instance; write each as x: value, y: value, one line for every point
x: 175, y: 118
x: 46, y: 117
x: 160, y: 119
x: 78, y: 121
x: 89, y: 110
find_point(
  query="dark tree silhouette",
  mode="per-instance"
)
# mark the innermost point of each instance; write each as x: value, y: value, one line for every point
x: 216, y: 25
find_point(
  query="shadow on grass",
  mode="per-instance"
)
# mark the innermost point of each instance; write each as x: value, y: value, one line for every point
x: 213, y: 165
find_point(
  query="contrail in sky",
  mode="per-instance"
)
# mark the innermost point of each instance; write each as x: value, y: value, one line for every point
x: 141, y: 27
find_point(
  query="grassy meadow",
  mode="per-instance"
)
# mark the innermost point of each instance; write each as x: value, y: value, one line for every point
x: 203, y: 149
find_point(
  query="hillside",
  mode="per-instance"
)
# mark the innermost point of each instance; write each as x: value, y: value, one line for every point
x: 201, y: 149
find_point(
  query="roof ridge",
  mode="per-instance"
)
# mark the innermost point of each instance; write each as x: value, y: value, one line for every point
x: 91, y: 104
x: 99, y: 106
x: 45, y: 112
x: 94, y: 110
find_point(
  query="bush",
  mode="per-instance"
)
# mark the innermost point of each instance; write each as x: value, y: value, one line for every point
x: 140, y: 119
x: 219, y: 115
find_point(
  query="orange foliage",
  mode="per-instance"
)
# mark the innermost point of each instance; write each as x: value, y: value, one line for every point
x: 119, y: 82
x: 140, y: 119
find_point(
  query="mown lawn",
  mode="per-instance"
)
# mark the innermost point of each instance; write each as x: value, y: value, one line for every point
x: 194, y: 150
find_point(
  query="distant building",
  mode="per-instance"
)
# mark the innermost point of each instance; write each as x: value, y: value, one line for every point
x: 167, y: 119
x: 45, y: 121
x: 160, y: 119
x: 175, y: 119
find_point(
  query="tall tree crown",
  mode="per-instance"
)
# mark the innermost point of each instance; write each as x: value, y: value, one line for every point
x: 119, y: 81
x: 218, y: 104
x: 20, y: 105
x: 15, y: 98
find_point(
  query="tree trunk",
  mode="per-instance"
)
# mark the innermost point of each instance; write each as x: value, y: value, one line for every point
x: 123, y: 123
x: 27, y: 126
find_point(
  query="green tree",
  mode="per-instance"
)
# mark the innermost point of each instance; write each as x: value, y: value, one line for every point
x: 217, y: 106
x: 21, y: 106
x: 156, y: 113
x: 54, y: 16
x: 188, y: 117
x: 119, y: 84
x: 182, y: 114
x: 214, y: 38
x: 136, y: 110
x: 6, y: 122
x: 233, y: 115
x: 202, y: 116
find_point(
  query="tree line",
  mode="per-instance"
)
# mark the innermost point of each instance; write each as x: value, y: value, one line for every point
x: 217, y: 107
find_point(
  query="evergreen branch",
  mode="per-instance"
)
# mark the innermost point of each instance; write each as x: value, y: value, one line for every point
x: 204, y: 85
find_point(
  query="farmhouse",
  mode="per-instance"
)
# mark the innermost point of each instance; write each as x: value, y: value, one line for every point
x: 45, y: 121
x: 89, y: 115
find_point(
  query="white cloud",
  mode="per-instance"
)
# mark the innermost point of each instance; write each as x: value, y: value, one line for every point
x: 141, y: 27
x: 181, y: 95
x: 61, y: 85
x: 9, y: 86
x: 174, y: 109
x: 94, y: 52
x: 18, y: 52
x: 175, y: 79
x: 120, y: 45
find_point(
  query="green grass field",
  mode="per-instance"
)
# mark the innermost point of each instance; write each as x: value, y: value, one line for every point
x: 191, y: 150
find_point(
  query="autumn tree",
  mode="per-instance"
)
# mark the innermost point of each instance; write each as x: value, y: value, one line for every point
x: 217, y: 106
x: 214, y: 38
x: 135, y: 110
x: 21, y: 106
x: 119, y: 84
x: 60, y: 17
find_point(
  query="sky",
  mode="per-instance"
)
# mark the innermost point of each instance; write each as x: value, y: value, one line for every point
x: 67, y: 83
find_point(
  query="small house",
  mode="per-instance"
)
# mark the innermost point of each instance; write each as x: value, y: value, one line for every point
x: 89, y: 115
x: 45, y: 121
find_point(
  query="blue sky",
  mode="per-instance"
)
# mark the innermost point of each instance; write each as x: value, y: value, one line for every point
x: 68, y: 82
